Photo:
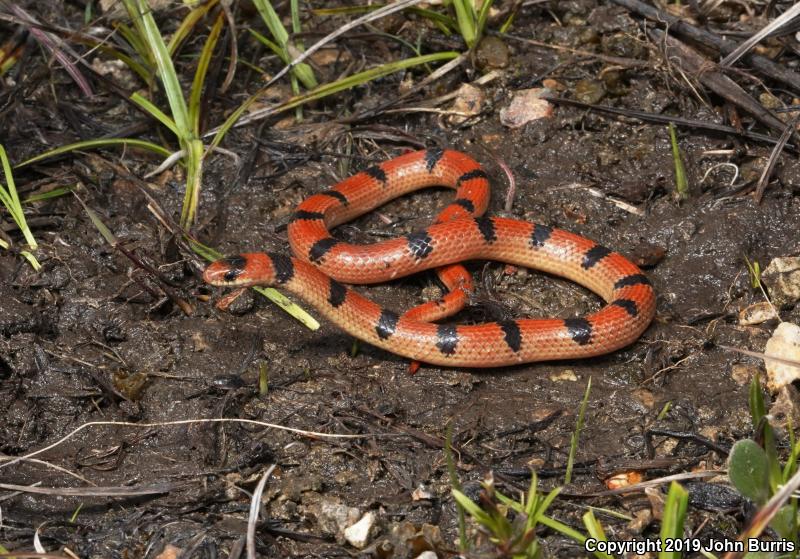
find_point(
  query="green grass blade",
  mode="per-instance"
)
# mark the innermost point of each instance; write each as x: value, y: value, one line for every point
x: 331, y: 88
x: 595, y: 530
x: 10, y: 199
x: 200, y: 74
x: 93, y: 144
x: 573, y: 446
x: 463, y: 542
x: 275, y: 48
x: 465, y: 17
x: 166, y: 70
x: 155, y: 112
x: 673, y: 518
x: 681, y: 182
x: 101, y: 227
x: 55, y: 193
x: 483, y: 15
x: 188, y: 23
x: 273, y: 22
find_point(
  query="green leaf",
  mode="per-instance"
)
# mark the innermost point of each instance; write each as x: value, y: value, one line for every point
x: 784, y: 521
x: 673, y: 518
x: 596, y: 531
x: 472, y: 509
x: 748, y: 470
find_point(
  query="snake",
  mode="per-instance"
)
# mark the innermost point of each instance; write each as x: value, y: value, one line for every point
x: 323, y: 264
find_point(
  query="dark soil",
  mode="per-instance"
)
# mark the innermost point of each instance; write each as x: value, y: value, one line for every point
x: 93, y: 338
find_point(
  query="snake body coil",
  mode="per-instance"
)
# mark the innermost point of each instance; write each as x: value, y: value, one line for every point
x: 459, y: 234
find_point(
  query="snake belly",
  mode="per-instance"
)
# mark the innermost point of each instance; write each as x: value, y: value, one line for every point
x: 459, y: 234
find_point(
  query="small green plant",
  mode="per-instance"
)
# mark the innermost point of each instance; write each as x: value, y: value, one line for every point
x: 755, y: 469
x: 681, y: 182
x: 754, y: 269
x: 10, y: 199
x: 515, y: 538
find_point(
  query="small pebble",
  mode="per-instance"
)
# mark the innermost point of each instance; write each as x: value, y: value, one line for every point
x: 784, y: 343
x: 357, y: 535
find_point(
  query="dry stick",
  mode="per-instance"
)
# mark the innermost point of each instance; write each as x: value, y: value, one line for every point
x: 666, y: 119
x: 773, y: 158
x: 681, y: 28
x: 706, y: 72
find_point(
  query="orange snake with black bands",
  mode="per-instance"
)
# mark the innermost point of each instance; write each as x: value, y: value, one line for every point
x: 459, y: 234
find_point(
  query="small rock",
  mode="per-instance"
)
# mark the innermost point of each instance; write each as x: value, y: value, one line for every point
x: 427, y: 555
x: 420, y: 494
x: 757, y: 313
x: 468, y: 103
x: 742, y: 374
x: 334, y: 518
x: 170, y: 552
x: 357, y: 535
x: 785, y: 410
x: 589, y: 91
x: 565, y: 375
x: 492, y: 53
x: 784, y: 343
x: 526, y: 106
x: 782, y: 277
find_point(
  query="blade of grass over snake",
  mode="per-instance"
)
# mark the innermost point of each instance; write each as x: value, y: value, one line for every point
x: 270, y: 293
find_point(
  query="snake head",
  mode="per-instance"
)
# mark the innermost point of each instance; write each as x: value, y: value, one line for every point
x: 242, y: 270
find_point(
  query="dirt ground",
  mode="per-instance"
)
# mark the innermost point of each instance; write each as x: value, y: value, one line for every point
x: 91, y: 338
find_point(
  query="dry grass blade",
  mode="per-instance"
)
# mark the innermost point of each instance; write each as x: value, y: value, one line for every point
x: 372, y: 16
x: 95, y: 491
x: 27, y: 555
x: 760, y: 521
x: 773, y: 158
x: 776, y: 24
x: 781, y: 360
x: 255, y: 506
x: 302, y: 432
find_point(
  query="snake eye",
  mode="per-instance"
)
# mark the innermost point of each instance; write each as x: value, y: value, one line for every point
x: 235, y: 265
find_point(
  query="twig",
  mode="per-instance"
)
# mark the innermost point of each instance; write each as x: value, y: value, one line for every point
x: 677, y: 26
x: 706, y: 73
x: 666, y: 119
